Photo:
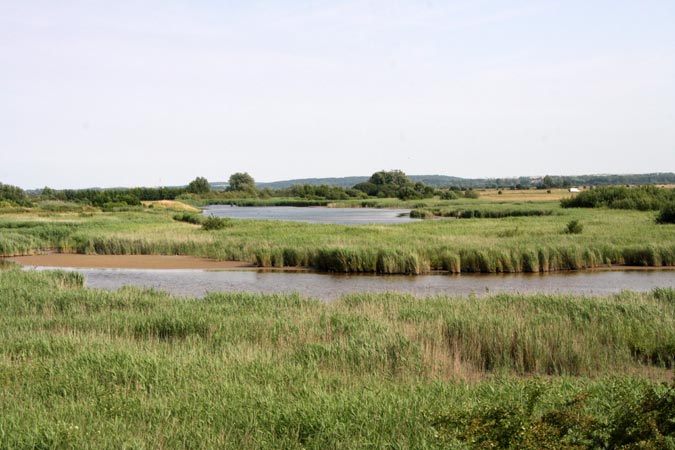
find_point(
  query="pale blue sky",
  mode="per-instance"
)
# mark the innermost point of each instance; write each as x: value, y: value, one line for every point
x: 101, y: 93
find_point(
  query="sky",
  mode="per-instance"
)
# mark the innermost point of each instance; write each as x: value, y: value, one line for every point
x: 128, y: 93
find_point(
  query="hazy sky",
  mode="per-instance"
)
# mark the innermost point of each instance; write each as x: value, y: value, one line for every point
x: 129, y: 93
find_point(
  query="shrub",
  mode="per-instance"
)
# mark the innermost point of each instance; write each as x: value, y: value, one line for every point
x: 667, y: 214
x: 471, y: 194
x: 642, y: 198
x: 188, y: 218
x: 449, y: 195
x: 421, y: 214
x: 574, y: 227
x: 215, y: 223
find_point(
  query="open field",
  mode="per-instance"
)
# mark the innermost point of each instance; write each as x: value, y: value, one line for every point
x: 509, y: 244
x: 523, y: 195
x: 82, y: 368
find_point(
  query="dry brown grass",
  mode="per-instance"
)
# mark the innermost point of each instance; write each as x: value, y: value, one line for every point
x: 170, y: 204
x: 520, y: 195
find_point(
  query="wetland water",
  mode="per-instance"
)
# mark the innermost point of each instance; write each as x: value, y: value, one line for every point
x: 344, y: 216
x: 196, y: 283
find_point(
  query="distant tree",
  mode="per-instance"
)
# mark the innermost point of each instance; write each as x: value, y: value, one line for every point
x: 48, y: 193
x: 241, y: 182
x: 199, y: 185
x: 407, y: 193
x: 548, y: 182
x: 392, y: 177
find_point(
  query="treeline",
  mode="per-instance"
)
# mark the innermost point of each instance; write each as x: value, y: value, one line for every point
x: 117, y: 197
x: 124, y: 197
x: 395, y: 183
x: 321, y: 192
x: 642, y: 198
x: 383, y: 184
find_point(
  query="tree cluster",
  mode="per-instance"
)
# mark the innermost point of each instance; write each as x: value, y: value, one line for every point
x: 394, y: 183
x: 13, y: 195
x: 322, y: 192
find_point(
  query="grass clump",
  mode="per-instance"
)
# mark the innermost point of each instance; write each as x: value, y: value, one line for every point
x: 167, y: 327
x: 187, y: 217
x: 421, y: 214
x: 574, y: 227
x: 215, y: 223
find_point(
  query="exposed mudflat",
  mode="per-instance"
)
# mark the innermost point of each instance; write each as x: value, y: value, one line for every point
x: 127, y: 262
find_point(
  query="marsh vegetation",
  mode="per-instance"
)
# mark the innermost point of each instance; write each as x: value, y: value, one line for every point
x: 492, y: 237
x: 134, y: 368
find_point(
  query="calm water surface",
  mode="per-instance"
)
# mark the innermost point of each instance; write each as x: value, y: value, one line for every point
x: 196, y: 283
x: 344, y: 216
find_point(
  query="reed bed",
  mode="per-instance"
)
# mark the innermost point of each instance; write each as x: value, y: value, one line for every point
x: 505, y: 245
x: 82, y: 368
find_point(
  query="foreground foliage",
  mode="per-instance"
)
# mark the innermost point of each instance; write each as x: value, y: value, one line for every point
x: 136, y: 368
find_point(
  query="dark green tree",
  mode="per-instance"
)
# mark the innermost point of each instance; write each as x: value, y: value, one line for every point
x: 199, y: 185
x: 13, y: 194
x: 48, y: 193
x: 242, y: 182
x: 548, y: 182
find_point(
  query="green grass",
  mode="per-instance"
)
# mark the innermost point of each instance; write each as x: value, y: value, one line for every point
x: 83, y: 368
x: 508, y: 244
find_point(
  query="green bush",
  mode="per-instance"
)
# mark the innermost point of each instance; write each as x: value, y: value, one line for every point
x: 641, y: 198
x: 574, y: 227
x: 667, y: 214
x: 421, y: 214
x: 449, y: 195
x: 188, y: 218
x: 215, y: 223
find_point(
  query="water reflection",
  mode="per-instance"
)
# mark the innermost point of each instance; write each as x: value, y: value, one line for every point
x: 344, y: 216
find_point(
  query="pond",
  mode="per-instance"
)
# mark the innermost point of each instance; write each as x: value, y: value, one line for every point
x: 344, y: 216
x: 196, y: 283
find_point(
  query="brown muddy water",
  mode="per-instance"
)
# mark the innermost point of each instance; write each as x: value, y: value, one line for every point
x: 196, y: 283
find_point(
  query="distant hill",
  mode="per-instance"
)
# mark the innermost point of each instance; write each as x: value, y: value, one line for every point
x: 440, y: 181
x: 345, y: 182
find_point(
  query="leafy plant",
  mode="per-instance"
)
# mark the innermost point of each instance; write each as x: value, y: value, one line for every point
x: 574, y: 227
x: 188, y: 218
x: 215, y: 223
x: 667, y: 214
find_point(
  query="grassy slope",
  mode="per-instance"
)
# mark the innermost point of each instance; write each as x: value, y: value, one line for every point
x: 138, y: 369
